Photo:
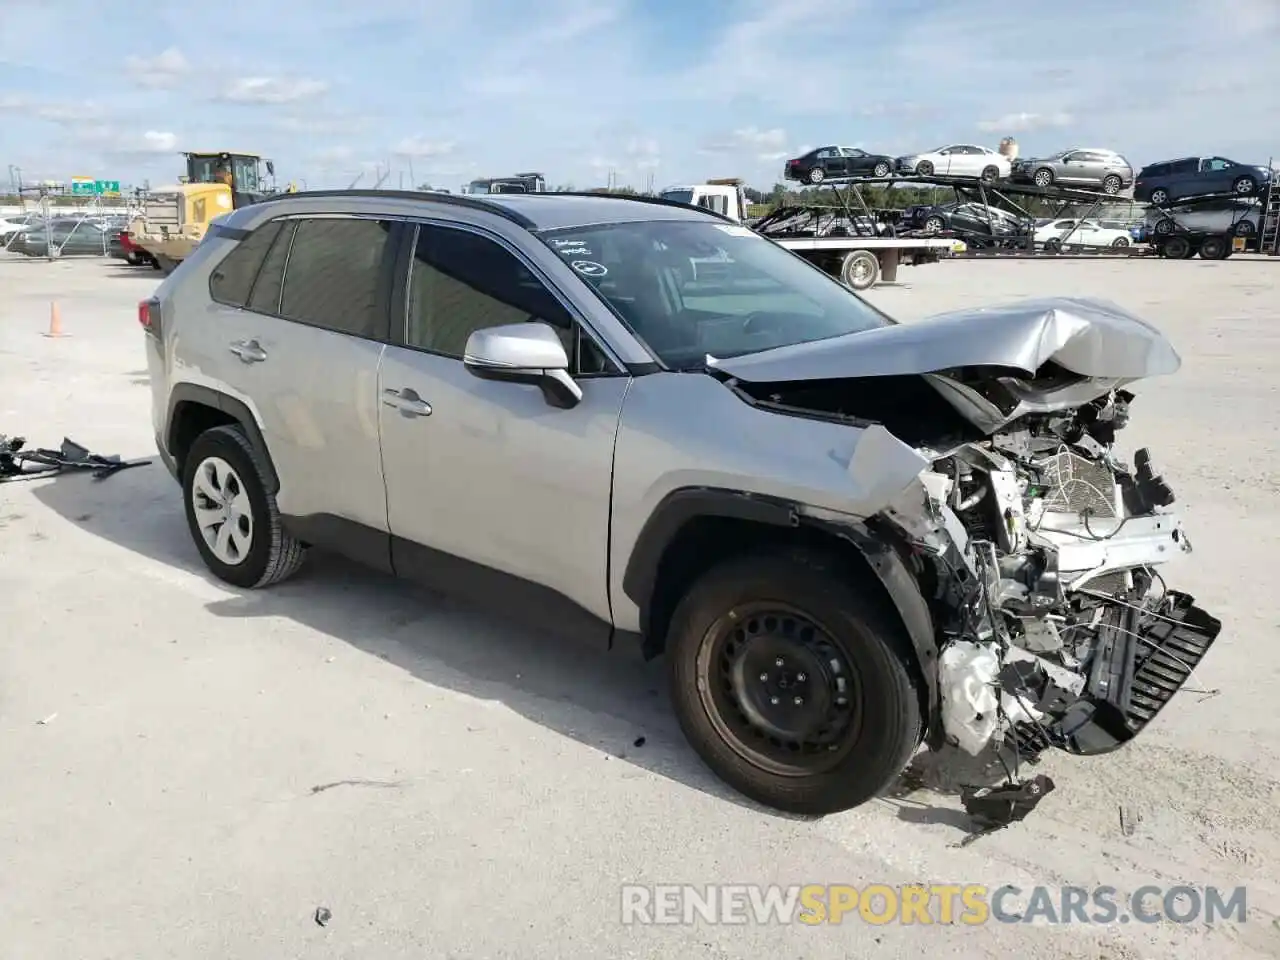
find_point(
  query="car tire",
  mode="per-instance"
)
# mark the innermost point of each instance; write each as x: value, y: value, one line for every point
x: 824, y: 628
x: 1159, y: 196
x: 1112, y: 185
x: 924, y: 168
x: 1043, y: 177
x: 935, y: 225
x: 880, y: 170
x: 1243, y: 228
x: 223, y: 459
x: 1120, y: 242
x: 1244, y: 186
x: 860, y: 270
x: 816, y: 175
x: 1053, y: 245
x: 990, y: 174
x: 1178, y: 248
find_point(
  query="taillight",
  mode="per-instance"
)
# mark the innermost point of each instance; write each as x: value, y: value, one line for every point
x: 149, y: 315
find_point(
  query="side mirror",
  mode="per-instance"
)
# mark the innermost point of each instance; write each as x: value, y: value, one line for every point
x: 524, y: 353
x: 271, y: 169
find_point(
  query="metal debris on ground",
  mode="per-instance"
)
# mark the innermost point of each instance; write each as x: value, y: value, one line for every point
x: 323, y: 915
x: 995, y: 808
x: 19, y: 463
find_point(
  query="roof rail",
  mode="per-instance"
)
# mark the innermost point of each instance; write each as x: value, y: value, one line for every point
x: 634, y: 198
x: 473, y: 201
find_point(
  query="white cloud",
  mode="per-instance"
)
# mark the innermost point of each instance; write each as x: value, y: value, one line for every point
x: 1025, y: 122
x: 162, y: 72
x: 762, y: 144
x: 422, y: 148
x: 273, y: 90
x: 643, y: 153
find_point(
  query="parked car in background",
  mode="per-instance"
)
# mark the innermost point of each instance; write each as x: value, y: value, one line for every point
x: 1240, y: 218
x: 9, y: 227
x: 1082, y: 233
x: 970, y: 218
x: 826, y: 162
x: 957, y: 160
x: 131, y: 253
x: 1088, y: 167
x: 1169, y: 180
x: 67, y: 238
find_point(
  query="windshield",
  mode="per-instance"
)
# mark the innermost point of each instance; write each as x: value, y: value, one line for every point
x: 678, y: 196
x: 690, y: 289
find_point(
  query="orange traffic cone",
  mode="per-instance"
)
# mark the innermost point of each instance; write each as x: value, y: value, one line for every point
x: 55, y: 321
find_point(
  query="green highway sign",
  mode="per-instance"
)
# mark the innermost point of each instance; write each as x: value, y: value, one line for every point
x: 88, y: 187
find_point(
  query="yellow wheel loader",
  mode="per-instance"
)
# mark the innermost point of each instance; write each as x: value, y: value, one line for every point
x: 173, y: 219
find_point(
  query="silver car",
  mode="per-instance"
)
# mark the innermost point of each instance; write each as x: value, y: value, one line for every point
x: 848, y: 536
x: 1091, y: 168
x: 1239, y: 218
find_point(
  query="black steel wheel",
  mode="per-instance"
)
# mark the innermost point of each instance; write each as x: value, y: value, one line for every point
x: 789, y: 678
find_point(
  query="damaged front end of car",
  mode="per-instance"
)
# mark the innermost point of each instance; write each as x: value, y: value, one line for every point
x: 1036, y: 545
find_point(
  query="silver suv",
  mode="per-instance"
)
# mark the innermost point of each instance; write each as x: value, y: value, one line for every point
x: 849, y: 536
x: 1091, y: 168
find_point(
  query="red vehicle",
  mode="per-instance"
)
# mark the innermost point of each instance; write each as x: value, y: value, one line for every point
x: 133, y: 253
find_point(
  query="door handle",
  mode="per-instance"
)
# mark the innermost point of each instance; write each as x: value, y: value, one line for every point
x: 407, y: 402
x: 248, y: 350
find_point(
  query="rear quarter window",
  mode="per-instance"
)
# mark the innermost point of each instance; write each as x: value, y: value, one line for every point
x: 231, y: 282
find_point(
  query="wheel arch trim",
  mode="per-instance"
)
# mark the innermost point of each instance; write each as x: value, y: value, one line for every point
x: 198, y: 395
x: 686, y: 504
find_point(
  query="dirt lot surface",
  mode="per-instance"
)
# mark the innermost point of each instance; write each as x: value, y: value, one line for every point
x: 166, y: 742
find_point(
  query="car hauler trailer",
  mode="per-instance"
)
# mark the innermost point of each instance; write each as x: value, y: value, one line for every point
x: 859, y: 256
x: 1214, y: 226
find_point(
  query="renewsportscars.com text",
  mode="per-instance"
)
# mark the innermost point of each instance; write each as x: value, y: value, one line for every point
x: 964, y: 904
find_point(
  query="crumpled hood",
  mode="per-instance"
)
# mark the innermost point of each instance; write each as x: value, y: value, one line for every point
x: 1089, y: 337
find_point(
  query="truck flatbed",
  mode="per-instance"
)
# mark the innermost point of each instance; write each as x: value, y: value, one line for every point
x: 835, y: 244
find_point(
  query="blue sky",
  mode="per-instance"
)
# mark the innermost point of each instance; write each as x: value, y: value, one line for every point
x: 676, y: 90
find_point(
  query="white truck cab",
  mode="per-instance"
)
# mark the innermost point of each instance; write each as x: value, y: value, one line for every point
x: 724, y: 196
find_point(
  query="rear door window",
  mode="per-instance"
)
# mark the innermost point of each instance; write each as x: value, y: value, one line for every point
x: 232, y: 280
x: 336, y: 275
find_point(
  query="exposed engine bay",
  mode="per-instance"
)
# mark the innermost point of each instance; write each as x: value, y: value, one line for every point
x: 1036, y: 545
x: 1044, y: 547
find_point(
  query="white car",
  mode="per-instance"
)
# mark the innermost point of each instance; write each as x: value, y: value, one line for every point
x: 1081, y: 233
x: 966, y: 160
x: 9, y: 227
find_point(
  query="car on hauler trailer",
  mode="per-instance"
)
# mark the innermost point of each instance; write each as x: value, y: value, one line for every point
x: 847, y: 535
x: 858, y: 261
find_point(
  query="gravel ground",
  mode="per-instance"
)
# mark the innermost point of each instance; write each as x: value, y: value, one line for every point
x: 162, y: 737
